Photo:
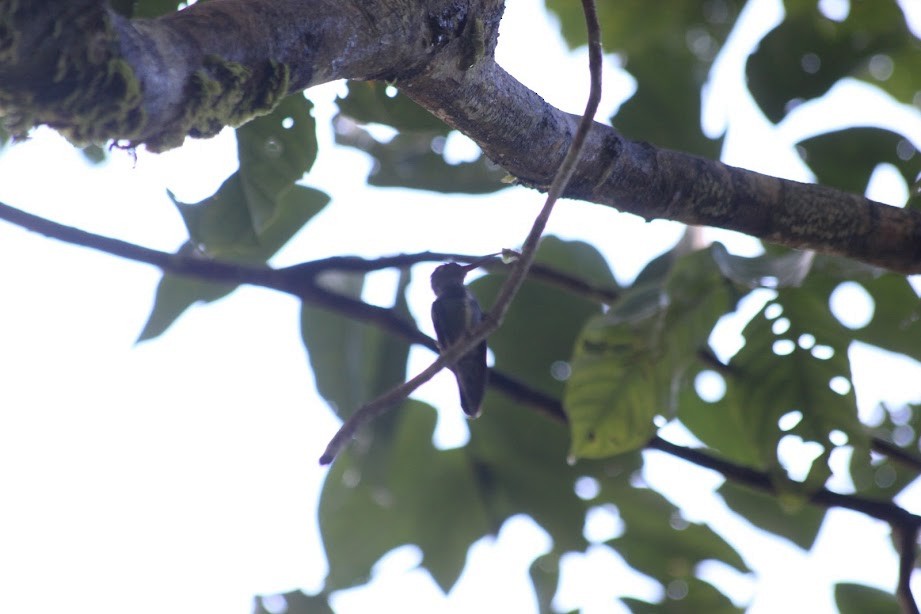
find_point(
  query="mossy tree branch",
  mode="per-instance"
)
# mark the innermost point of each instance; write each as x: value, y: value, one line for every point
x: 100, y: 76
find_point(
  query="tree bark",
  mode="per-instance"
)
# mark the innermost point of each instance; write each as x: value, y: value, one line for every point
x: 95, y: 76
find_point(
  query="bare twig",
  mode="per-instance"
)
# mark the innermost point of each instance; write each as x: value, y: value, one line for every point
x: 906, y: 543
x: 308, y: 271
x: 896, y: 453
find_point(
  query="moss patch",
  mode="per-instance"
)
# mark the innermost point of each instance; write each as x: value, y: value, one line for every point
x: 72, y: 80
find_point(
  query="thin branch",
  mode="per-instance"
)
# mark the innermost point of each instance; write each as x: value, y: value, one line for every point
x: 519, y: 270
x: 538, y: 272
x: 298, y: 280
x: 896, y: 453
x: 179, y: 264
x: 906, y: 543
x: 888, y: 512
x: 905, y: 525
x: 292, y: 280
x: 560, y: 181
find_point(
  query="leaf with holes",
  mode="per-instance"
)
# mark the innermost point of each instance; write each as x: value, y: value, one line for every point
x: 794, y: 359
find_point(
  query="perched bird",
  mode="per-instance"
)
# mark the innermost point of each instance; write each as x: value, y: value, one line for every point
x: 454, y: 312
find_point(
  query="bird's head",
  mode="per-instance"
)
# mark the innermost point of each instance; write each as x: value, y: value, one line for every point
x: 448, y: 276
x: 452, y: 274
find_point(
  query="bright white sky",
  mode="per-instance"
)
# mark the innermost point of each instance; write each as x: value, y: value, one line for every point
x: 181, y: 475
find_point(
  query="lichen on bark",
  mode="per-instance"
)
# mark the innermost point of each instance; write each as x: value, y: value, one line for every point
x: 223, y: 93
x: 72, y: 66
x: 67, y: 73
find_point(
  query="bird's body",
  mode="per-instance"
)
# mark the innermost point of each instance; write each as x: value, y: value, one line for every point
x: 454, y: 312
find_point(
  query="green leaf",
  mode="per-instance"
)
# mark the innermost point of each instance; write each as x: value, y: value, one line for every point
x: 807, y: 53
x: 94, y: 154
x: 698, y: 295
x: 882, y: 474
x: 409, y: 492
x: 720, y: 424
x: 666, y: 108
x: 174, y: 295
x: 522, y: 455
x: 545, y: 575
x: 616, y: 387
x: 145, y: 8
x: 213, y: 223
x: 690, y: 595
x: 275, y: 150
x: 379, y: 103
x: 297, y: 602
x: 787, y: 364
x: 896, y: 321
x: 847, y: 158
x: 670, y: 54
x: 789, y: 268
x: 520, y: 458
x: 630, y: 364
x: 254, y: 212
x: 540, y: 329
x: 413, y: 160
x: 353, y: 362
x: 796, y: 522
x: 856, y: 599
x: 658, y: 542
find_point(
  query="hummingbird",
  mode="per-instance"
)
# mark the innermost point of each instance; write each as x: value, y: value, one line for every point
x: 454, y: 312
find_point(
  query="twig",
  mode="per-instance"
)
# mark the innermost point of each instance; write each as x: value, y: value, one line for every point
x: 904, y: 524
x: 906, y: 543
x: 519, y: 271
x: 308, y: 271
x: 882, y: 510
x: 298, y: 280
x: 895, y: 453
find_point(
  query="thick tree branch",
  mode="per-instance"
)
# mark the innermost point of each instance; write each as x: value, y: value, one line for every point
x: 221, y: 62
x: 527, y: 137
